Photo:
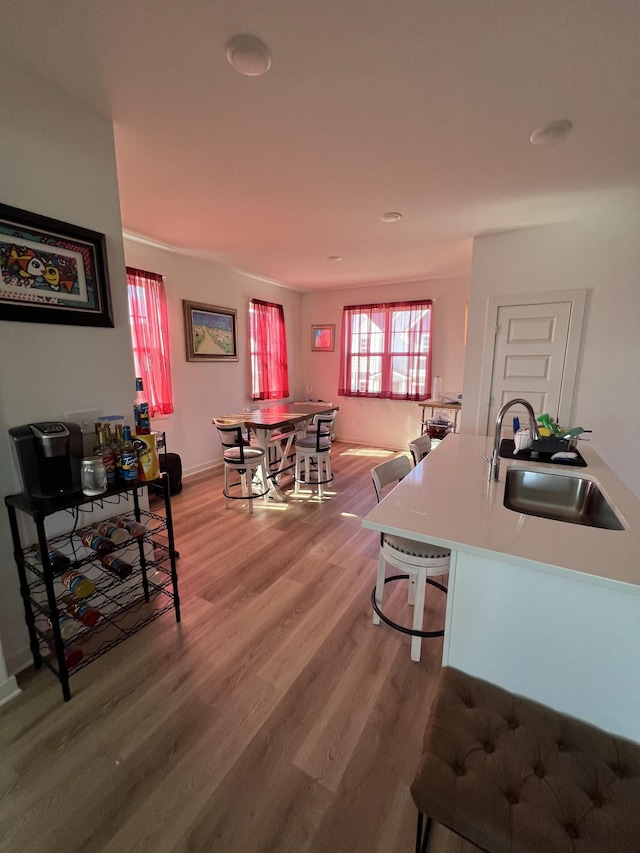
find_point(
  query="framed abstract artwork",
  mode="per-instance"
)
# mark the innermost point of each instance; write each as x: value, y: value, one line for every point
x: 51, y: 271
x: 323, y: 338
x: 210, y: 332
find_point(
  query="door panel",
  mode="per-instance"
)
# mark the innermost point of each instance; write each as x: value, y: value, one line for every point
x: 529, y: 357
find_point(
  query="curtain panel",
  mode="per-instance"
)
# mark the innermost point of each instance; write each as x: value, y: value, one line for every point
x: 150, y: 336
x: 269, y: 364
x: 386, y: 351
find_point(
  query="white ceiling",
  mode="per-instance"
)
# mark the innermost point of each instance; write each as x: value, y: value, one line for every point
x: 419, y: 106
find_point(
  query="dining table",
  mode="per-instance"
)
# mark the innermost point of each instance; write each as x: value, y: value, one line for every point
x: 288, y: 418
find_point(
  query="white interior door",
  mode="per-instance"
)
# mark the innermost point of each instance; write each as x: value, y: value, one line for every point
x: 529, y: 357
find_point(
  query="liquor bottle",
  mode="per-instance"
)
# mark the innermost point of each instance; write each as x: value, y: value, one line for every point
x: 68, y: 626
x: 113, y: 531
x: 117, y: 565
x: 134, y: 528
x: 78, y: 584
x: 105, y: 452
x: 141, y: 417
x: 96, y: 541
x: 57, y: 560
x: 128, y: 457
x: 82, y: 612
x: 117, y: 451
x: 72, y: 654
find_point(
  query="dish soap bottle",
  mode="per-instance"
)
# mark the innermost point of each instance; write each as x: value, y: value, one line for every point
x: 141, y: 410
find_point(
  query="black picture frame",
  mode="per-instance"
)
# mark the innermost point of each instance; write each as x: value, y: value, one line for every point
x: 52, y: 271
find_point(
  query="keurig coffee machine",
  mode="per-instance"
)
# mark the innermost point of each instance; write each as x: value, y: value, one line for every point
x: 48, y: 456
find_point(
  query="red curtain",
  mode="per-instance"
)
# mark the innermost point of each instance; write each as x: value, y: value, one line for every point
x: 269, y: 364
x: 386, y: 351
x: 150, y: 335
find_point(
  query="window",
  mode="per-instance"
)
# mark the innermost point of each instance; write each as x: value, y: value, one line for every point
x: 386, y: 351
x: 150, y: 336
x: 269, y: 367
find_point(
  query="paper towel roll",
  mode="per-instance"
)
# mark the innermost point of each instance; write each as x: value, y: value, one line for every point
x: 436, y: 389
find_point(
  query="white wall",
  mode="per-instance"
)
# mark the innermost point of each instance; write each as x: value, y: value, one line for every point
x: 204, y: 390
x: 385, y: 423
x: 603, y: 257
x: 57, y: 160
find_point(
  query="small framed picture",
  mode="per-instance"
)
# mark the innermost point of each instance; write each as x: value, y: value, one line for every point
x: 210, y: 332
x: 51, y: 271
x: 323, y: 338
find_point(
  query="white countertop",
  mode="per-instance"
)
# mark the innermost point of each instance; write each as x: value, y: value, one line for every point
x: 449, y: 501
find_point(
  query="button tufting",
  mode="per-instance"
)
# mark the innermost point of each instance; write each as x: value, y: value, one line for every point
x: 512, y: 798
x: 459, y: 770
x: 513, y: 724
x: 597, y: 802
x: 468, y: 703
x: 561, y: 746
x: 539, y: 772
x: 572, y: 830
x: 618, y: 771
x: 488, y: 747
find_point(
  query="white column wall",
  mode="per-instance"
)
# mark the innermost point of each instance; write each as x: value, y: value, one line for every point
x: 601, y: 255
x: 58, y: 160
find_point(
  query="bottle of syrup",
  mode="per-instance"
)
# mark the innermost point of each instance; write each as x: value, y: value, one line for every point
x: 141, y: 417
x: 128, y: 458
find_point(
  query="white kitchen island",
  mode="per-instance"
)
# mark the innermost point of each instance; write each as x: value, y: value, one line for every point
x: 543, y: 608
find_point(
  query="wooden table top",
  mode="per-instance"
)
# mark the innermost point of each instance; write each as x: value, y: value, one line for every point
x: 441, y: 404
x: 272, y: 417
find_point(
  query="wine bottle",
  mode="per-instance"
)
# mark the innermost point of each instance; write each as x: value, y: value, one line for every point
x: 141, y: 417
x: 78, y: 584
x: 82, y: 612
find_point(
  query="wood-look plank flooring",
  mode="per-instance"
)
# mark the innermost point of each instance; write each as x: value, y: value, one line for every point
x: 275, y: 717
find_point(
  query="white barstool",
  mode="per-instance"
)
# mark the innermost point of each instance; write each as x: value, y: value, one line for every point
x: 418, y: 561
x: 313, y: 454
x: 246, y: 461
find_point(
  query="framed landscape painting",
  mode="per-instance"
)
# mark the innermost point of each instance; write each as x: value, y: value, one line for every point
x: 210, y: 332
x: 52, y: 272
x: 322, y: 338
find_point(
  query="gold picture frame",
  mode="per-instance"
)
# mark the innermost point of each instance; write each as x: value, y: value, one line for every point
x: 323, y: 338
x: 210, y: 332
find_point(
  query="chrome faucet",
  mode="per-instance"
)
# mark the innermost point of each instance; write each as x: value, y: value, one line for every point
x: 494, y: 463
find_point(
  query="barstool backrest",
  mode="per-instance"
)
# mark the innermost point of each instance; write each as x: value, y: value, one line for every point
x: 324, y: 424
x: 391, y: 471
x: 231, y: 435
x: 419, y: 447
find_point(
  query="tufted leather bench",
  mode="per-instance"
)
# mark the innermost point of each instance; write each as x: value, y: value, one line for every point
x: 513, y: 776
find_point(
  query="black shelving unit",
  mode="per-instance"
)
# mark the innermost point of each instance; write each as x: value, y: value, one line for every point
x: 125, y: 606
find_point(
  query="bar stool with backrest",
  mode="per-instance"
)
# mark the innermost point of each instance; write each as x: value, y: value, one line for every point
x: 246, y: 461
x: 419, y: 562
x: 419, y: 447
x: 313, y: 454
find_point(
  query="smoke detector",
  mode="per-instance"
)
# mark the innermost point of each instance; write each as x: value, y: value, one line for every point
x: 551, y: 132
x: 249, y: 55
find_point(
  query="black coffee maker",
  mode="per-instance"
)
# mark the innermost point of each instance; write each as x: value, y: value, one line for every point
x: 48, y: 456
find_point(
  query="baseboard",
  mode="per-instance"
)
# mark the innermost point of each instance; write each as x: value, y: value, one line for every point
x: 9, y: 690
x: 212, y: 465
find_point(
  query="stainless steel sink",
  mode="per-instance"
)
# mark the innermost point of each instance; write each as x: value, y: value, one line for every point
x: 563, y: 497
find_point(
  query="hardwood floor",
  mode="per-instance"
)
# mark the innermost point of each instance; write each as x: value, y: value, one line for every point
x: 274, y: 717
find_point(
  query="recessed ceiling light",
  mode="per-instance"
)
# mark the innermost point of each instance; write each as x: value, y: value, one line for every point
x: 335, y: 258
x: 392, y: 216
x: 249, y: 55
x: 551, y: 132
